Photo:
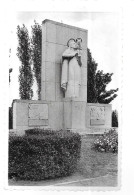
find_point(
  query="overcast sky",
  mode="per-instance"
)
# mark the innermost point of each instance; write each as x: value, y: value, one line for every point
x: 103, y: 40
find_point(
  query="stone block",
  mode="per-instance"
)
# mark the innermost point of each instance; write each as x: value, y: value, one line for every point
x: 78, y: 115
x: 59, y: 92
x: 83, y: 93
x: 50, y: 52
x: 83, y: 76
x: 50, y: 72
x: 67, y: 115
x: 58, y: 53
x: 97, y: 130
x: 51, y: 32
x: 43, y: 90
x: 36, y: 122
x: 108, y: 115
x: 97, y: 122
x: 20, y: 114
x: 84, y: 58
x: 44, y: 54
x: 50, y: 91
x: 56, y: 115
x: 62, y: 34
x: 58, y: 68
x: 43, y: 71
x: 74, y: 115
x: 44, y: 33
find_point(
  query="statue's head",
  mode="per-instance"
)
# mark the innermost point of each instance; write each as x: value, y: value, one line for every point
x: 71, y: 43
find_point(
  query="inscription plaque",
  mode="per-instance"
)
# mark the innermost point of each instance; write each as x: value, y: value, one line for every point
x: 38, y: 111
x: 97, y: 115
x: 38, y: 115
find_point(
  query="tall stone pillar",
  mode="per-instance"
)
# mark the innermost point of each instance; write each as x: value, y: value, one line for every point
x: 55, y: 36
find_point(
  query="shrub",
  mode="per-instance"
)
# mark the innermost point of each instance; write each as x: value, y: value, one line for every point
x: 114, y: 118
x: 108, y: 142
x: 10, y: 124
x: 43, y: 155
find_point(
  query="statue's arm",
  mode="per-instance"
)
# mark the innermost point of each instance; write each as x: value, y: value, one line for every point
x: 68, y: 54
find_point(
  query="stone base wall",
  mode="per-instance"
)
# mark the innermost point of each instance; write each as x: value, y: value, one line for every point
x: 77, y: 116
x: 28, y: 114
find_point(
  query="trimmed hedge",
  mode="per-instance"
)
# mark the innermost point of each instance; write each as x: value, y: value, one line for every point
x: 43, y: 154
x: 108, y: 142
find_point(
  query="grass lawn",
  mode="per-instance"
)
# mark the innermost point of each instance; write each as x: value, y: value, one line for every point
x: 94, y: 169
x: 94, y: 164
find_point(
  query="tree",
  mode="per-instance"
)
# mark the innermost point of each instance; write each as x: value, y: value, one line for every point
x: 114, y: 118
x: 36, y: 53
x: 97, y: 82
x: 24, y: 54
x: 91, y: 84
x: 10, y: 70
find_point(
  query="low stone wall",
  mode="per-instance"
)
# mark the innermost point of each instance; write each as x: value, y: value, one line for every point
x: 77, y: 116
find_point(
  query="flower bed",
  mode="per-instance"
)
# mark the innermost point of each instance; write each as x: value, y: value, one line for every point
x: 108, y: 142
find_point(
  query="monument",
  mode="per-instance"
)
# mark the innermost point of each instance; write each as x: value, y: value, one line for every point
x: 63, y: 103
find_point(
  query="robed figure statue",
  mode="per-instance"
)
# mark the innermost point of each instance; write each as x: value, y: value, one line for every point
x: 71, y: 68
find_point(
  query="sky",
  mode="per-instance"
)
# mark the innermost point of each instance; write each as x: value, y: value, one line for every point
x: 103, y: 41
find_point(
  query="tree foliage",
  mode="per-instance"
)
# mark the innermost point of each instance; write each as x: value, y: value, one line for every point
x: 114, y: 118
x: 36, y: 42
x: 91, y: 84
x: 10, y: 70
x: 97, y: 82
x: 24, y: 54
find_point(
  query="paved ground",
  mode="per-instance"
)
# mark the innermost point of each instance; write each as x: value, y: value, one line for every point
x: 76, y: 180
x: 94, y: 169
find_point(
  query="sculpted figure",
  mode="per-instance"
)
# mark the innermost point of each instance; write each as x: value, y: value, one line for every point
x: 71, y: 68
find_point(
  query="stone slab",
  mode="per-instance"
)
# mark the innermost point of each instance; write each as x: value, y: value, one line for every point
x: 50, y: 91
x: 36, y: 122
x: 98, y: 115
x: 56, y: 115
x: 74, y: 115
x: 97, y: 122
x: 97, y: 130
x: 78, y: 115
x: 38, y: 111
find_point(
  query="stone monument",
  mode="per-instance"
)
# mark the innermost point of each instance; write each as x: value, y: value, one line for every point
x: 63, y: 103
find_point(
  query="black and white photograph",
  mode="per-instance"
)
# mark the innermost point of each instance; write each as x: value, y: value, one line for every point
x: 63, y: 118
x: 65, y: 80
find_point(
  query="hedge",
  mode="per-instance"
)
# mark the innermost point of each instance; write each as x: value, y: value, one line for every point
x: 41, y: 154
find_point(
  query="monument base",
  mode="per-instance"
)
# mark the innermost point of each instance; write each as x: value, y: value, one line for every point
x: 78, y: 116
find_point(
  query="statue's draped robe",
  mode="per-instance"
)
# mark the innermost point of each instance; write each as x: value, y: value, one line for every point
x: 71, y: 73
